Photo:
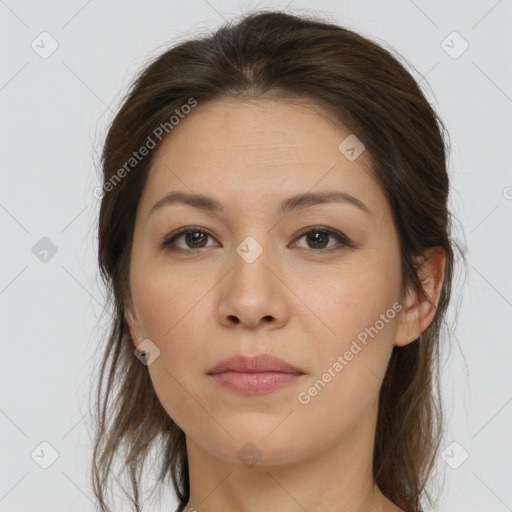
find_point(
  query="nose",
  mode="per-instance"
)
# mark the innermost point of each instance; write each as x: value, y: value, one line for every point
x: 252, y: 294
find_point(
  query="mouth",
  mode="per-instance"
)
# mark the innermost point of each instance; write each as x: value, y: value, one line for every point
x: 253, y: 364
x: 254, y: 383
x: 254, y: 375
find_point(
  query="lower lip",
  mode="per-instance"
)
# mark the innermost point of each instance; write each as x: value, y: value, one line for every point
x: 254, y: 383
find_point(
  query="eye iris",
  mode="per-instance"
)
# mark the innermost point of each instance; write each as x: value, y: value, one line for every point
x: 314, y: 236
x: 193, y: 237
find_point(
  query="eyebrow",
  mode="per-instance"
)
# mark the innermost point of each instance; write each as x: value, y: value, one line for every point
x: 296, y: 202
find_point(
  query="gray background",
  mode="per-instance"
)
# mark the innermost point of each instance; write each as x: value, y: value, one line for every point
x: 54, y: 113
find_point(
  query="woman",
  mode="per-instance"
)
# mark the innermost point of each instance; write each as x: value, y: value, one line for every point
x: 275, y: 236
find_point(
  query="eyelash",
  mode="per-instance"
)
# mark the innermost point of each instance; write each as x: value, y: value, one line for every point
x: 344, y: 241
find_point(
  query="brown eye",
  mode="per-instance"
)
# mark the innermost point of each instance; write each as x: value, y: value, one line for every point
x: 193, y: 239
x: 318, y: 239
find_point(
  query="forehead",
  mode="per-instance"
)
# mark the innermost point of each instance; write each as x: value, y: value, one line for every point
x: 259, y: 151
x: 279, y: 127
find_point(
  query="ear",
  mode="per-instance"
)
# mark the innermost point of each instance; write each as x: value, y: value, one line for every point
x: 418, y: 312
x: 133, y: 323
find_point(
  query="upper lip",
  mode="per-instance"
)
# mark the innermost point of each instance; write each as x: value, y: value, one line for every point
x: 254, y: 364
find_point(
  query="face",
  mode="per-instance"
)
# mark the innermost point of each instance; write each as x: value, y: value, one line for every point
x: 316, y: 284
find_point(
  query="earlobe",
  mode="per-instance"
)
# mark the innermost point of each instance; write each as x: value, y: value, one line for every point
x: 133, y: 326
x: 408, y: 324
x: 419, y: 311
x: 431, y: 274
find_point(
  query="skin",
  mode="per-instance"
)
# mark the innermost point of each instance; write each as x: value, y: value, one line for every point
x: 295, y: 301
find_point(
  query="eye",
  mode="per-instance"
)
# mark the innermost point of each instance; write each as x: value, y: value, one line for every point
x: 318, y: 237
x: 194, y: 238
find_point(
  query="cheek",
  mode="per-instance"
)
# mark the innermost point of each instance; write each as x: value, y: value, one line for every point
x: 354, y: 303
x: 177, y: 323
x: 165, y: 301
x: 173, y: 315
x: 359, y: 315
x: 351, y: 363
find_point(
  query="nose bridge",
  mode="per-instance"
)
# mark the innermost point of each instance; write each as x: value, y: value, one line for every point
x: 254, y: 244
x: 251, y: 259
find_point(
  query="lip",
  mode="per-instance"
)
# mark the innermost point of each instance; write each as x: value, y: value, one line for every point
x: 254, y: 375
x: 254, y: 364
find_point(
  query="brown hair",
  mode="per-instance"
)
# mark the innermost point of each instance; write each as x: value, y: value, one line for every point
x: 361, y: 84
